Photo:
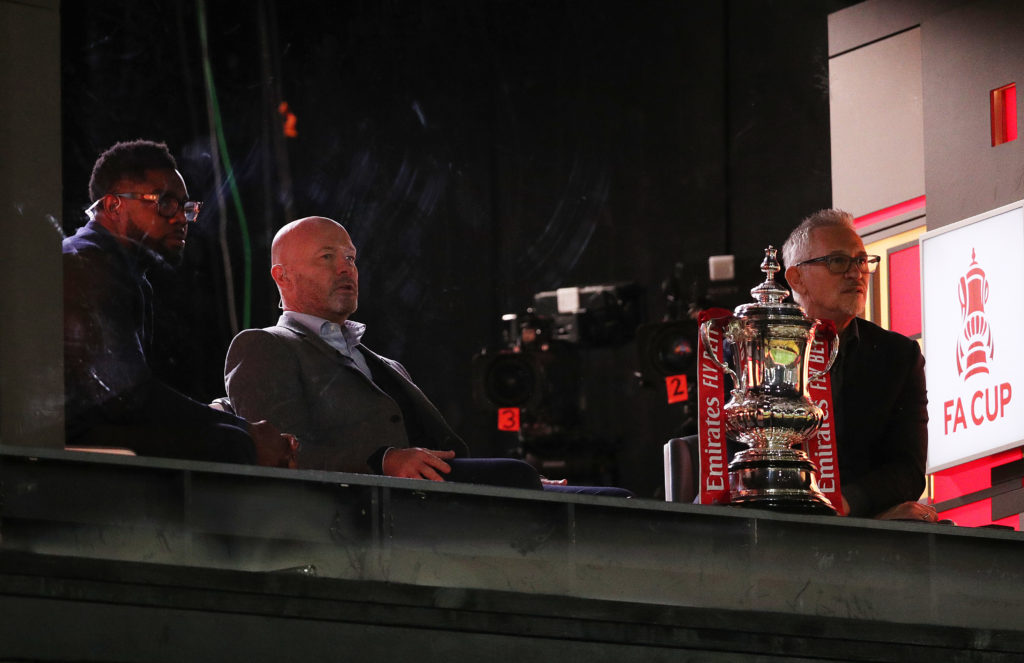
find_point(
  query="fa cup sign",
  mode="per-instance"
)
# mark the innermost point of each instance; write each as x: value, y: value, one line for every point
x: 972, y: 284
x: 974, y: 350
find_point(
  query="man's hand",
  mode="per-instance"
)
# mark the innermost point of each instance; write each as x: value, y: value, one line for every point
x: 416, y: 463
x: 910, y: 511
x: 273, y: 448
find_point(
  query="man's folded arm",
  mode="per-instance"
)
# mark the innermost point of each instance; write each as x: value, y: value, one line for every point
x: 107, y: 371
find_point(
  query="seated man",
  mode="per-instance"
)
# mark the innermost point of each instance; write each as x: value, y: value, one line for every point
x: 139, y: 218
x: 352, y: 409
x: 878, y: 387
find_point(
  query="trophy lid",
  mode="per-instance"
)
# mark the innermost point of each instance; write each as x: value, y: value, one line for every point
x: 769, y: 295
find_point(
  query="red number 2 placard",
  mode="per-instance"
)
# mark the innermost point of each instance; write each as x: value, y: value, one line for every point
x: 675, y: 387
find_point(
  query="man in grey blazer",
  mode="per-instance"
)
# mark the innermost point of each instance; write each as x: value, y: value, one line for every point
x: 351, y: 409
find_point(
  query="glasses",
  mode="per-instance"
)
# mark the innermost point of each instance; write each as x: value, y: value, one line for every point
x: 840, y: 264
x: 167, y: 204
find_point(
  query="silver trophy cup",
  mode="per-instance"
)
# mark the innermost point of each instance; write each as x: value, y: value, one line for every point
x: 767, y: 341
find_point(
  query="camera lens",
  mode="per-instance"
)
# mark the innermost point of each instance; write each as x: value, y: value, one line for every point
x: 511, y: 380
x: 674, y: 353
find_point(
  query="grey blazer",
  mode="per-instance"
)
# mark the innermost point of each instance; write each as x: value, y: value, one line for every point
x: 292, y: 378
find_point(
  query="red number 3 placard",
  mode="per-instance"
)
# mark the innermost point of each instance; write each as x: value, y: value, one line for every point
x: 508, y: 418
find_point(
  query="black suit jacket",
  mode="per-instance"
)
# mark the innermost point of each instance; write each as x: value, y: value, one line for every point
x: 881, y: 419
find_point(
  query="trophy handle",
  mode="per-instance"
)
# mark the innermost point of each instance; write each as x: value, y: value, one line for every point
x: 833, y: 342
x: 704, y: 326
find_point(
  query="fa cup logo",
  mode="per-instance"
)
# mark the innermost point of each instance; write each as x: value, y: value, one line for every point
x: 974, y: 347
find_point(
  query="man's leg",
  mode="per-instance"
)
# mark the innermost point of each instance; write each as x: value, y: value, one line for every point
x: 221, y: 443
x: 507, y: 472
x: 607, y: 491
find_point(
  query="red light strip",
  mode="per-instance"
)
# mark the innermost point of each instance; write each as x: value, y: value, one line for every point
x: 1003, y: 101
x: 889, y: 212
x: 1010, y: 113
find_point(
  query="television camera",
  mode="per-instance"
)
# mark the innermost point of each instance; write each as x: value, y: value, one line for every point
x: 533, y: 379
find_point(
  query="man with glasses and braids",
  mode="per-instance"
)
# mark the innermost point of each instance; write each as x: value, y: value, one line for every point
x: 878, y: 387
x: 139, y: 217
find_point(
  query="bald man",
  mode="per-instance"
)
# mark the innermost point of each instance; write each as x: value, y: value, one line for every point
x: 352, y: 409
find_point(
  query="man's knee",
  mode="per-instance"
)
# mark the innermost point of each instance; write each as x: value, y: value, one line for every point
x: 507, y: 472
x: 230, y: 444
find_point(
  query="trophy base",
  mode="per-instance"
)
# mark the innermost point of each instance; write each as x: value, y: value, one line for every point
x: 805, y: 505
x: 778, y: 480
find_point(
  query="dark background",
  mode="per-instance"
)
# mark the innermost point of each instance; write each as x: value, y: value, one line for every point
x: 478, y: 152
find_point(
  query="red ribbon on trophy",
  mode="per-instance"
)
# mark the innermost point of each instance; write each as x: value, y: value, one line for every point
x: 714, y: 458
x: 821, y: 447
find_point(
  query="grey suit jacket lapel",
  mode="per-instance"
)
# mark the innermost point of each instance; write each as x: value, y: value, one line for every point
x: 374, y: 360
x: 321, y: 345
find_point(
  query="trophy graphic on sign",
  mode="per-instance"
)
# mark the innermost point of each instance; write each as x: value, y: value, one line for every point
x: 974, y: 346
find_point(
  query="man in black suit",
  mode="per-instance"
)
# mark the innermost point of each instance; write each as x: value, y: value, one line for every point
x: 878, y: 384
x: 140, y: 218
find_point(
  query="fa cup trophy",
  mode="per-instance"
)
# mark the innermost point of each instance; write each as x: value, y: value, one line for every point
x: 767, y: 343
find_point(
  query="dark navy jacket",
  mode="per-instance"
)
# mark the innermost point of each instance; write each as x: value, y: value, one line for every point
x: 107, y: 332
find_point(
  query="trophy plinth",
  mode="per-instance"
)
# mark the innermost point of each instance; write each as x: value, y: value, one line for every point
x: 782, y: 480
x: 769, y: 410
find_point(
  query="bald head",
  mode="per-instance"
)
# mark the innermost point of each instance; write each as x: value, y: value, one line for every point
x: 314, y: 266
x: 292, y: 234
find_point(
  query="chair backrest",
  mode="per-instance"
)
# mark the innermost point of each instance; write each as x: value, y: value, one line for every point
x: 681, y: 469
